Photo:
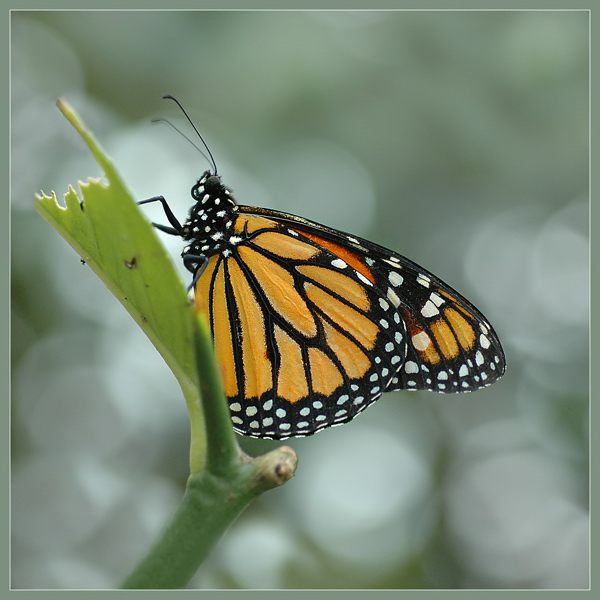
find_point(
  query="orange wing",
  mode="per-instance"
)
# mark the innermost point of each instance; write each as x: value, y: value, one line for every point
x: 304, y: 338
x: 451, y: 347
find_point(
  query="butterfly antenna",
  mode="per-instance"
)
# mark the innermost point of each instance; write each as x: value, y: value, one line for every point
x: 185, y: 137
x: 212, y: 159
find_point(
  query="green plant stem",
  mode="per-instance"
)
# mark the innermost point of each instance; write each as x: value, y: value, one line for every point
x: 210, y: 504
x: 221, y: 451
x: 214, y: 496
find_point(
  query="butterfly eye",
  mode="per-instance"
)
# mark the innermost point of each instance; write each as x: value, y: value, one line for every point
x: 213, y: 185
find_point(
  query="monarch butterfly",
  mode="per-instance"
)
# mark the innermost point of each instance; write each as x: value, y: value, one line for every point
x: 311, y: 325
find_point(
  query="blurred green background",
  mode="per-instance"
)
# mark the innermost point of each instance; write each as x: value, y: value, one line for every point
x: 459, y: 139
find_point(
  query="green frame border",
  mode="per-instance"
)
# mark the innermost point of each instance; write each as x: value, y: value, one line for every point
x: 270, y: 5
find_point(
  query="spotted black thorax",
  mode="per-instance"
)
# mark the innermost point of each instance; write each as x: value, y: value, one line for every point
x: 209, y: 222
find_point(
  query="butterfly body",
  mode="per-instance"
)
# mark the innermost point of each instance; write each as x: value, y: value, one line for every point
x: 311, y: 325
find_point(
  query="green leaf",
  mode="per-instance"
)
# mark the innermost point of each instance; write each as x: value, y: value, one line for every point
x: 108, y: 231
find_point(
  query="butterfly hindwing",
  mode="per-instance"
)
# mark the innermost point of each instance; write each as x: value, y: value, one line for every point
x: 450, y: 345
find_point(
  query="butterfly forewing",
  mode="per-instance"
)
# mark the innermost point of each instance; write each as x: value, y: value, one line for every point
x: 316, y: 341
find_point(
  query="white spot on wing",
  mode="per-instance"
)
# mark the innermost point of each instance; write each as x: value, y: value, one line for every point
x: 395, y: 278
x: 423, y: 280
x: 421, y: 341
x: 429, y: 309
x: 384, y: 305
x: 411, y: 367
x: 393, y: 297
x: 436, y: 299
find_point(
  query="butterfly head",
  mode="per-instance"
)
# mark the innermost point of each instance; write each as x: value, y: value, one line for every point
x: 207, y: 184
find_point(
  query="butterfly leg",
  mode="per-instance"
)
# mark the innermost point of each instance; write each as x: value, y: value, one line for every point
x: 176, y: 228
x: 195, y: 264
